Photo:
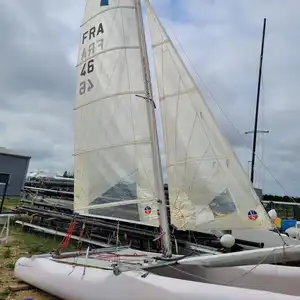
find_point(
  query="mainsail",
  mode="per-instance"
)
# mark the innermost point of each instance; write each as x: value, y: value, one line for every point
x: 208, y: 188
x: 113, y: 156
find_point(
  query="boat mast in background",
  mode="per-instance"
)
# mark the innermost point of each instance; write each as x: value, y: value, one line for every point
x: 255, y: 131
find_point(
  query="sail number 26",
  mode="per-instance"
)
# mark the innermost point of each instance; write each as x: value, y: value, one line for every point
x: 86, y: 85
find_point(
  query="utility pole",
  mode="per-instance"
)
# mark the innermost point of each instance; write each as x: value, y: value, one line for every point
x: 255, y: 131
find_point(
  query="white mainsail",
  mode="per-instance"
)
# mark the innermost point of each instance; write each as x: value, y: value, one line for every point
x: 113, y: 155
x: 208, y: 188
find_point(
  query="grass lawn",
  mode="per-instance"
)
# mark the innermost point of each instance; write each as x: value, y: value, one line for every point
x: 22, y: 244
x: 10, y: 203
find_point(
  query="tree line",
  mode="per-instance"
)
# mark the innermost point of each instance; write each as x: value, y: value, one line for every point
x: 281, y: 198
x: 267, y: 197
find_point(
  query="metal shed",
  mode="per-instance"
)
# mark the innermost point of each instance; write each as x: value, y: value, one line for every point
x: 16, y: 166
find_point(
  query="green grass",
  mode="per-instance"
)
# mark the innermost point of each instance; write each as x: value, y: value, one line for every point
x: 35, y: 243
x: 24, y: 243
x: 11, y: 202
x: 10, y: 266
x: 4, y: 295
x: 7, y: 252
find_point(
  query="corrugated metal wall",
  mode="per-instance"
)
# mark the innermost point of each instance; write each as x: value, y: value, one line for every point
x: 17, y: 167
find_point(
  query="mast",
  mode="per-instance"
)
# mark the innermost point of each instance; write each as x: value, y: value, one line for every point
x: 163, y: 216
x: 255, y: 131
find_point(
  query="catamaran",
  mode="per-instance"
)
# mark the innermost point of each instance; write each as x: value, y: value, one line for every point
x: 116, y: 144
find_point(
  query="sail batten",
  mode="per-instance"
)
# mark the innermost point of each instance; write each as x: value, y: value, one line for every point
x: 112, y: 95
x: 114, y: 146
x: 119, y: 203
x: 208, y: 188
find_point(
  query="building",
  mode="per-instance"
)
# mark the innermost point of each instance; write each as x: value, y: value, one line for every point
x: 16, y: 166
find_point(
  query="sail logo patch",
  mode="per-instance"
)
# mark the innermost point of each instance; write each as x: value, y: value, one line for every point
x: 252, y: 215
x: 147, y: 210
x: 104, y: 2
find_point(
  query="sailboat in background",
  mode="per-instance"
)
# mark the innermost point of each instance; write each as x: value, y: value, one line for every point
x: 268, y: 237
x: 117, y: 164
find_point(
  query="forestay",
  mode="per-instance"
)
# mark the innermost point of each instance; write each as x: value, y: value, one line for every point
x: 113, y: 158
x: 208, y: 188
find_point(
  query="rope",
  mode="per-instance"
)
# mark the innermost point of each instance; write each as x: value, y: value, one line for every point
x: 66, y: 240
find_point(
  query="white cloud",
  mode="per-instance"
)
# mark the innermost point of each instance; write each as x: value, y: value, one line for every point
x: 222, y: 39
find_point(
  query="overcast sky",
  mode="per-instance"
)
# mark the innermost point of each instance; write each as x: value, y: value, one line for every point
x: 222, y: 39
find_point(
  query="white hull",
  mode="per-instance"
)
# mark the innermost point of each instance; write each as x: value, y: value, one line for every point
x: 249, y: 257
x: 269, y: 238
x: 188, y: 282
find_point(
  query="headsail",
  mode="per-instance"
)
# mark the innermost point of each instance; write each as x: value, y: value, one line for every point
x: 113, y: 156
x: 208, y: 188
